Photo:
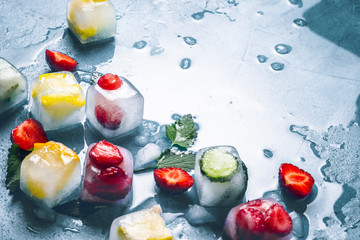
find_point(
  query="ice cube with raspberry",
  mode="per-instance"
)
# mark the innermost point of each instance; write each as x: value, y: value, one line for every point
x: 114, y: 106
x: 108, y: 174
x: 261, y: 219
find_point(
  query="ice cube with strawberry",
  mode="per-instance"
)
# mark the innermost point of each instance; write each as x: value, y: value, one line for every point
x: 114, y: 106
x: 261, y: 219
x: 108, y: 174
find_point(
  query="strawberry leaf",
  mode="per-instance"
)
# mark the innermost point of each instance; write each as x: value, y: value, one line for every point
x: 183, y: 132
x: 15, y: 157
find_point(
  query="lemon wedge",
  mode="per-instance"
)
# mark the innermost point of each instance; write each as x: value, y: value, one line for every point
x: 59, y: 94
x: 141, y: 225
x: 47, y: 170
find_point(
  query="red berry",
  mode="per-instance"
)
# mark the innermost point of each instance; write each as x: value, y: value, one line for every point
x: 109, y: 116
x: 295, y: 180
x: 278, y: 221
x: 104, y: 154
x: 251, y: 221
x: 58, y: 61
x: 111, y: 184
x: 173, y: 180
x: 110, y: 82
x: 28, y: 133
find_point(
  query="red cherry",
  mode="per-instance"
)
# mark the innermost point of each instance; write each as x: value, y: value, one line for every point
x: 110, y: 82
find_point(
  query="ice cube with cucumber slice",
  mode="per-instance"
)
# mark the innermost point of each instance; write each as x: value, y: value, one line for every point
x: 13, y: 87
x: 220, y: 176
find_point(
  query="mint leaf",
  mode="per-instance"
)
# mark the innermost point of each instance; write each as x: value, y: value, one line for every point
x: 183, y: 132
x: 15, y: 157
x: 184, y: 160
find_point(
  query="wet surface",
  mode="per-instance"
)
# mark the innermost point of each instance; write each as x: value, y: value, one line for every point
x: 300, y: 105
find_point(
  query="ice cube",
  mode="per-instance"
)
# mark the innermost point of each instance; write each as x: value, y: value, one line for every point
x: 197, y: 215
x: 147, y: 155
x: 217, y: 184
x: 144, y: 224
x: 91, y: 20
x: 57, y: 100
x: 13, y: 87
x: 50, y: 174
x: 108, y: 174
x: 114, y: 113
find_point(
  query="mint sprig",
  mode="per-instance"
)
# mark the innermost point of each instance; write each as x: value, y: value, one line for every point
x: 183, y: 132
x: 15, y: 157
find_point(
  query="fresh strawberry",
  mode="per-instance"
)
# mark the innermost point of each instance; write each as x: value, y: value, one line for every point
x: 58, y: 61
x: 260, y: 219
x: 104, y: 154
x: 110, y: 82
x: 111, y: 184
x: 28, y: 133
x: 109, y: 116
x: 173, y: 180
x: 295, y: 180
x: 278, y: 220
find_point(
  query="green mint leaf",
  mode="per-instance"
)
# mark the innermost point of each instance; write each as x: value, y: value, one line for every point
x: 182, y: 132
x: 184, y: 160
x: 15, y: 157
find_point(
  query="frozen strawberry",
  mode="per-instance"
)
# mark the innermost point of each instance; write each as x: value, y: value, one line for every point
x: 111, y: 184
x: 27, y: 133
x: 173, y: 180
x: 261, y: 219
x: 110, y: 82
x: 295, y: 180
x: 278, y: 220
x: 109, y: 116
x: 58, y: 61
x: 104, y: 154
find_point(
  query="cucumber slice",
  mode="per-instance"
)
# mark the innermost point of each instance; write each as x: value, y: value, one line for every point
x: 218, y: 165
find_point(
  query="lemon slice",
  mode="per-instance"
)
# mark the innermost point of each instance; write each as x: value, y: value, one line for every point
x: 59, y: 94
x: 48, y: 169
x: 142, y: 225
x: 80, y: 19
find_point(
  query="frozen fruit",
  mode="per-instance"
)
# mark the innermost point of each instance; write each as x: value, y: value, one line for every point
x: 109, y: 116
x: 141, y: 225
x: 28, y: 133
x: 50, y: 174
x: 58, y: 61
x: 295, y: 180
x: 105, y: 154
x: 261, y: 219
x: 173, y: 180
x: 108, y: 174
x: 110, y: 82
x: 220, y: 176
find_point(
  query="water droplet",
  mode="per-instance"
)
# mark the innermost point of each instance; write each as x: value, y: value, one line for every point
x: 268, y: 153
x: 277, y: 66
x: 74, y: 230
x: 190, y: 40
x: 300, y: 22
x: 156, y: 51
x: 140, y: 44
x: 299, y: 3
x: 302, y: 159
x: 118, y: 17
x: 175, y: 116
x: 31, y: 229
x: 231, y: 1
x: 198, y: 16
x: 185, y: 63
x: 262, y: 58
x: 282, y: 48
x: 260, y: 12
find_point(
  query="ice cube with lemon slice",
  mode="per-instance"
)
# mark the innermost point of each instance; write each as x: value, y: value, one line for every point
x: 50, y: 174
x: 220, y: 176
x: 141, y: 225
x: 13, y: 87
x: 91, y: 20
x: 57, y: 100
